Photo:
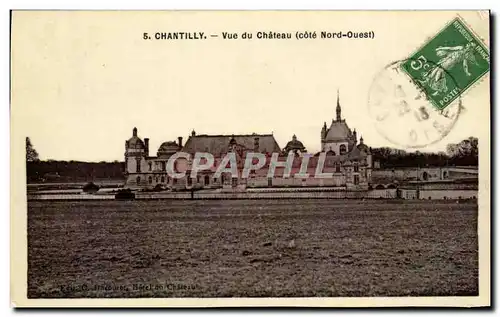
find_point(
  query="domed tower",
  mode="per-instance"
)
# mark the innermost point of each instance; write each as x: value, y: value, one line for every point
x: 168, y: 148
x: 294, y: 145
x: 136, y: 152
x: 362, y: 146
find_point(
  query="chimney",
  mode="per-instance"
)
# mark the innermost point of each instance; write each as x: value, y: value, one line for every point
x: 256, y: 144
x: 180, y: 141
x: 146, y: 145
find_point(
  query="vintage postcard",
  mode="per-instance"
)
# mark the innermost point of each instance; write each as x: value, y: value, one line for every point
x: 250, y: 158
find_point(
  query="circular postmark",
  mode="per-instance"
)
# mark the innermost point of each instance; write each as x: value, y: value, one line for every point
x: 402, y: 112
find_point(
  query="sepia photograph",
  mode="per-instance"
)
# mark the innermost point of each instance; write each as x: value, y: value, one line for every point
x: 276, y: 158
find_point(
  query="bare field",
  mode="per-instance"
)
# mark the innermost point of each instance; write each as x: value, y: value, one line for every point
x: 249, y: 248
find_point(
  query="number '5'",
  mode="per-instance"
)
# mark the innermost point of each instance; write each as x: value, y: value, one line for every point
x: 419, y: 62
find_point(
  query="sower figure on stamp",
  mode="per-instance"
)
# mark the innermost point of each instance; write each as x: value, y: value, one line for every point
x: 450, y: 57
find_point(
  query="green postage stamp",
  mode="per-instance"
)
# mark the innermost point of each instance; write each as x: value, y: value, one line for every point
x: 448, y: 64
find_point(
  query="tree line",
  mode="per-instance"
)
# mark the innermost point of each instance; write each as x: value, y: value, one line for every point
x: 69, y: 171
x: 464, y: 153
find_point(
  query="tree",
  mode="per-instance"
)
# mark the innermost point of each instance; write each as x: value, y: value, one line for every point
x: 452, y: 149
x: 31, y: 153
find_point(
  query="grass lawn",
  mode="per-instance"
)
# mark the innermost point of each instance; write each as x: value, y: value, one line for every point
x: 250, y: 248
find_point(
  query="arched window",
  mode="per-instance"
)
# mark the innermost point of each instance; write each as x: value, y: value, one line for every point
x: 337, y: 168
x: 342, y: 149
x: 138, y: 165
x: 356, y: 168
x: 150, y: 166
x: 138, y: 180
x: 425, y: 176
x: 207, y: 180
x: 163, y: 179
x: 150, y: 179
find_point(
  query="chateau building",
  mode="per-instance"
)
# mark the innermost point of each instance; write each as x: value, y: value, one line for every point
x: 349, y: 162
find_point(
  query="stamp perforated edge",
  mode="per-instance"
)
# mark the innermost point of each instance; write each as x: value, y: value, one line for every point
x: 481, y: 41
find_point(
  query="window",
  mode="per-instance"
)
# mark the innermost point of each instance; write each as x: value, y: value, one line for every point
x: 174, y: 181
x: 356, y: 168
x: 138, y: 180
x: 342, y: 149
x: 163, y: 166
x: 235, y: 181
x: 156, y: 179
x: 215, y: 180
x: 198, y: 179
x: 150, y: 179
x: 269, y: 182
x: 207, y: 180
x: 163, y: 179
x: 189, y: 180
x: 356, y: 179
x: 337, y: 168
x: 425, y: 176
x: 138, y: 165
x: 150, y: 166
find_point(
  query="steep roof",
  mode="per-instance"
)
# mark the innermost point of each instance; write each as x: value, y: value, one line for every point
x: 218, y: 144
x: 338, y: 131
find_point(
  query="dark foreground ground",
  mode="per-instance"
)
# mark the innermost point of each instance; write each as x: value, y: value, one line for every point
x: 251, y: 248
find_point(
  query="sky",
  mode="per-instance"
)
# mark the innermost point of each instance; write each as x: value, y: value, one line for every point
x: 81, y: 81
